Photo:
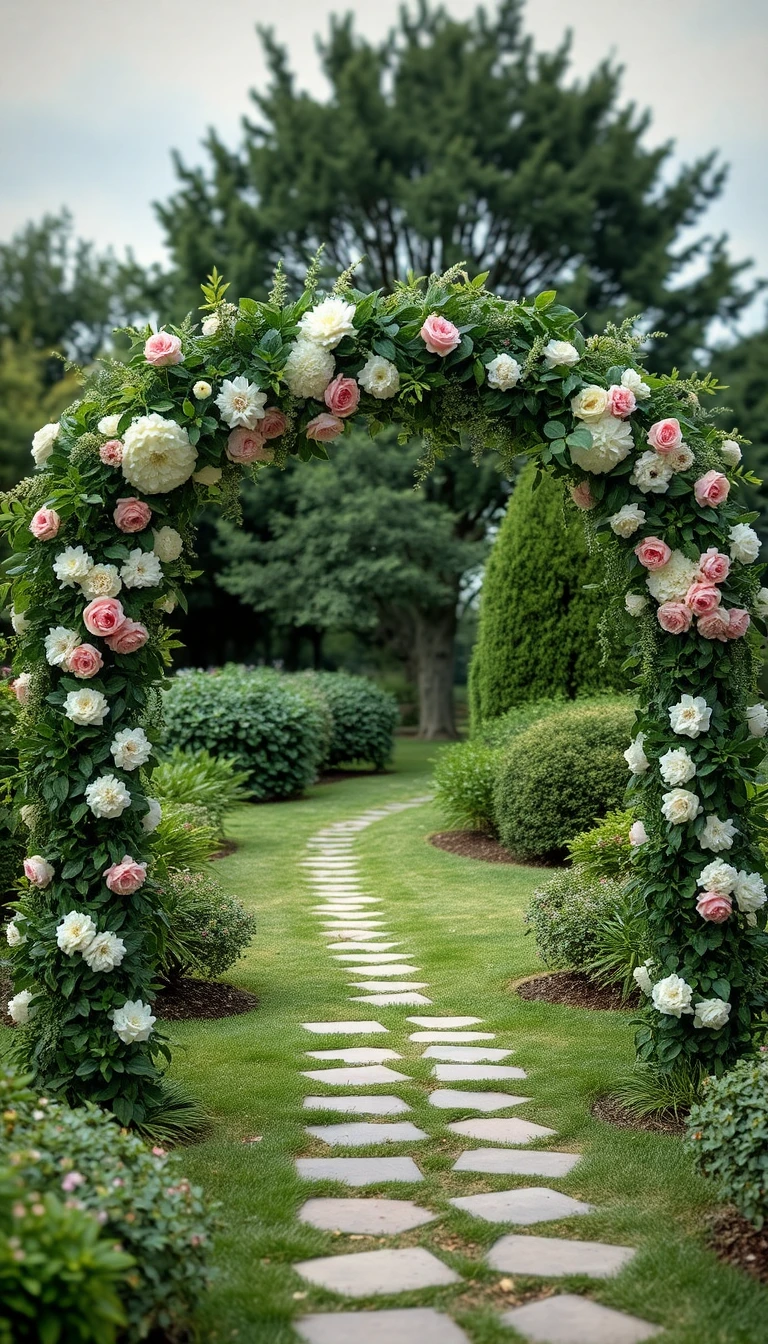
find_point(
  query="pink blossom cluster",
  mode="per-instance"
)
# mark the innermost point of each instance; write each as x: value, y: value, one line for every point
x: 703, y: 599
x: 250, y: 445
x: 105, y: 617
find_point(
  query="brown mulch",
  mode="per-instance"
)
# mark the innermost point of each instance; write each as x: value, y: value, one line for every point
x: 227, y: 847
x: 576, y: 990
x: 479, y: 845
x: 738, y: 1243
x: 614, y: 1112
x: 189, y: 998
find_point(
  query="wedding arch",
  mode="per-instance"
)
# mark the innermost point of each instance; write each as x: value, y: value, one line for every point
x: 102, y: 549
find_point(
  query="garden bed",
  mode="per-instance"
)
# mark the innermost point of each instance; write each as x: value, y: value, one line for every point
x: 574, y: 989
x: 480, y: 845
x: 190, y: 998
x: 613, y: 1112
x: 738, y: 1243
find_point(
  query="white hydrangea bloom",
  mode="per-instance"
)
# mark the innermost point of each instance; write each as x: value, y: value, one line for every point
x: 13, y: 934
x: 631, y: 378
x: 241, y: 403
x: 718, y: 876
x: 672, y: 996
x: 131, y: 748
x: 21, y: 624
x: 60, y: 643
x: 749, y: 891
x: 151, y: 819
x: 731, y: 452
x: 133, y: 1022
x: 71, y: 566
x: 611, y: 443
x: 18, y: 1006
x: 109, y: 425
x: 168, y: 544
x: 142, y: 569
x: 757, y: 720
x: 627, y: 520
x: 652, y: 474
x: 75, y: 932
x: 101, y: 581
x: 690, y: 716
x: 712, y: 1013
x: 107, y: 796
x: 676, y: 767
x: 745, y: 543
x: 87, y: 707
x: 679, y: 806
x: 309, y: 369
x: 42, y: 444
x: 635, y: 756
x: 503, y: 372
x: 157, y: 455
x: 672, y: 581
x: 717, y: 834
x: 104, y: 952
x: 557, y: 354
x: 328, y: 322
x: 635, y: 603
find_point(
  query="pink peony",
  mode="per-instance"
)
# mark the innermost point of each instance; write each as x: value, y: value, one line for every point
x: 324, y: 428
x: 85, y: 661
x: 247, y: 445
x: 674, y: 617
x: 702, y: 598
x: 38, y: 871
x: 738, y: 622
x: 714, y: 566
x: 273, y: 424
x: 714, y: 907
x: 162, y: 349
x: 342, y: 396
x: 132, y: 515
x: 582, y: 495
x: 439, y: 335
x: 621, y: 401
x: 129, y: 637
x: 126, y: 876
x: 45, y: 524
x: 711, y: 489
x: 103, y: 616
x: 714, y: 625
x: 652, y: 553
x: 111, y: 453
x: 665, y: 435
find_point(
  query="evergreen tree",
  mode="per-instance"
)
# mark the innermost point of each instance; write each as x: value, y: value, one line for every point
x: 743, y: 368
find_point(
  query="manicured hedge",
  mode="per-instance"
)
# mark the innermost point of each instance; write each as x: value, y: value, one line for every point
x: 363, y: 717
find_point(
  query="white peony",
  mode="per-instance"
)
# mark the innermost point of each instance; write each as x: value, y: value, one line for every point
x: 133, y: 1022
x: 635, y: 603
x: 679, y: 806
x: 168, y: 544
x: 71, y: 566
x: 717, y: 834
x: 21, y: 624
x: 672, y: 581
x: 13, y: 935
x: 560, y: 353
x: 59, y: 644
x: 642, y: 978
x: 635, y: 756
x: 86, y: 707
x: 241, y: 403
x: 638, y: 834
x: 749, y: 890
x: 309, y: 369
x: 676, y: 767
x: 107, y: 796
x: 131, y: 748
x: 712, y: 1013
x: 201, y: 390
x: 104, y: 952
x: 211, y: 325
x: 731, y: 452
x: 503, y: 372
x: 379, y: 377
x: 672, y: 996
x: 589, y: 403
x: 627, y: 520
x: 328, y: 323
x: 109, y: 425
x: 101, y: 581
x: 745, y: 543
x: 157, y: 455
x: 142, y: 569
x: 611, y: 443
x: 690, y: 716
x: 75, y: 932
x: 757, y: 720
x: 42, y: 444
x: 652, y: 473
x: 718, y: 876
x: 18, y: 1006
x: 207, y: 476
x: 631, y: 378
x: 151, y: 819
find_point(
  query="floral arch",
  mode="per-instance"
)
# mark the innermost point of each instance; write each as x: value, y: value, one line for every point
x: 101, y: 540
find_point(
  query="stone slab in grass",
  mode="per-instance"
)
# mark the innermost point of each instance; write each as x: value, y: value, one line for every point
x: 372, y: 957
x: 440, y: 1023
x: 358, y: 1170
x: 513, y: 1131
x: 551, y: 1257
x: 403, y: 998
x: 366, y: 1075
x: 413, y: 1325
x: 536, y: 1204
x: 506, y: 1162
x: 388, y: 986
x: 359, y: 1134
x: 370, y: 1273
x: 382, y: 969
x: 362, y: 947
x: 465, y: 1054
x: 568, y: 1319
x: 372, y: 1217
x: 356, y: 1054
x: 451, y: 1037
x: 374, y: 1105
x: 343, y: 1028
x: 452, y: 1099
x: 476, y: 1073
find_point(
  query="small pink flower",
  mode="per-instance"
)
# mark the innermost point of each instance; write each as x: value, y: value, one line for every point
x: 582, y: 495
x: 439, y: 335
x: 126, y: 876
x: 103, y: 616
x: 702, y: 598
x: 714, y: 625
x: 71, y: 1181
x: 738, y: 622
x: 665, y: 435
x: 714, y: 907
x: 653, y: 553
x: 111, y: 453
x: 637, y: 834
x: 162, y: 349
x: 84, y: 661
x: 20, y: 688
x: 45, y: 524
x: 38, y: 871
x: 621, y: 401
x: 132, y: 515
x: 159, y: 1152
x: 674, y: 617
x: 274, y: 423
x: 130, y: 636
x: 711, y: 489
x: 247, y: 445
x: 342, y: 396
x: 324, y: 428
x: 714, y: 566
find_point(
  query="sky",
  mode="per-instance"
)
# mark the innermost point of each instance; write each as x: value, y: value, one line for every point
x: 94, y: 97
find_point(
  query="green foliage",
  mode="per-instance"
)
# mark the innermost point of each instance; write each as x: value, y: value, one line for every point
x: 211, y: 782
x: 363, y: 716
x: 743, y: 369
x: 604, y: 850
x: 620, y: 941
x: 12, y: 841
x: 208, y: 930
x: 646, y: 1091
x: 465, y: 780
x: 728, y: 1136
x: 497, y: 732
x: 558, y: 775
x: 177, y: 1116
x: 564, y: 913
x: 186, y: 837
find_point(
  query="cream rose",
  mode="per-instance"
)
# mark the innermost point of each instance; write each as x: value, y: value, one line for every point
x: 635, y: 756
x: 626, y: 522
x: 590, y: 403
x: 168, y: 544
x: 672, y: 996
x: 717, y: 834
x: 711, y: 1013
x: 690, y: 716
x: 676, y: 767
x: 679, y: 806
x: 328, y: 322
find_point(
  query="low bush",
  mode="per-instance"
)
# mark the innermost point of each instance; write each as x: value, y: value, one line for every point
x: 728, y: 1136
x: 363, y: 718
x: 208, y: 930
x: 465, y: 780
x: 197, y: 777
x: 604, y: 850
x: 186, y: 837
x: 564, y: 914
x: 12, y: 839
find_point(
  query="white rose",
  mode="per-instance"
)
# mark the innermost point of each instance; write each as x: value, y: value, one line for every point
x: 690, y: 716
x: 379, y: 377
x: 503, y: 372
x: 13, y: 935
x: 86, y: 707
x: 59, y: 644
x: 328, y: 323
x: 75, y: 932
x: 712, y: 1013
x: 131, y: 748
x: 611, y: 443
x: 107, y: 796
x: 201, y: 390
x: 635, y: 756
x: 211, y: 325
x: 241, y: 403
x: 652, y: 474
x: 151, y: 819
x: 638, y: 834
x: 207, y: 476
x: 589, y: 403
x: 109, y: 425
x: 672, y: 996
x: 749, y: 890
x: 21, y: 624
x: 142, y: 569
x: 672, y: 581
x: 20, y: 687
x: 42, y: 444
x: 133, y: 1022
x: 101, y: 581
x: 635, y: 603
x: 157, y: 455
x: 718, y: 876
x: 627, y: 520
x: 676, y: 767
x: 731, y: 452
x: 18, y: 1006
x: 168, y: 544
x: 757, y: 720
x: 631, y: 378
x: 745, y: 543
x: 104, y: 952
x: 71, y: 566
x: 642, y: 979
x: 681, y: 458
x: 308, y: 370
x: 557, y: 354
x: 717, y: 834
x: 679, y: 806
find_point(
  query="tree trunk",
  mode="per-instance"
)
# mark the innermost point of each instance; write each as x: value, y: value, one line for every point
x: 435, y: 634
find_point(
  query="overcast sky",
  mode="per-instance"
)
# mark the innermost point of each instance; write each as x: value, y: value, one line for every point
x: 94, y: 96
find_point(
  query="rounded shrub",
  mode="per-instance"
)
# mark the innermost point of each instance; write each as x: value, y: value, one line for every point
x: 565, y: 914
x: 363, y: 718
x: 605, y: 850
x: 208, y: 930
x: 559, y: 775
x: 728, y: 1136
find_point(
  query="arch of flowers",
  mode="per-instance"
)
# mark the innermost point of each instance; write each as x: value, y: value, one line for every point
x: 101, y: 538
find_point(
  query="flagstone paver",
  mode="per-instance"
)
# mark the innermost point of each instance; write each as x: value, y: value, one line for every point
x: 358, y: 1170
x: 371, y: 1272
x: 451, y: 1037
x: 372, y: 958
x: 465, y: 1054
x: 389, y: 1000
x: 536, y: 1204
x: 387, y: 986
x: 361, y: 947
x: 373, y: 1105
x: 450, y: 1099
x: 376, y: 1217
x: 343, y: 1028
x: 569, y: 1319
x: 381, y: 969
x: 352, y: 1077
x: 362, y: 1135
x: 509, y: 1162
x: 412, y: 1325
x: 438, y: 1023
x: 356, y: 1054
x: 476, y: 1073
x: 501, y: 1131
x: 551, y: 1257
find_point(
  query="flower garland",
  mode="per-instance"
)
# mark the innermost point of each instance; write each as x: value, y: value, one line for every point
x: 102, y: 548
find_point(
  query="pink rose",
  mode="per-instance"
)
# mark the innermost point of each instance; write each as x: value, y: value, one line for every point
x: 111, y: 453
x: 714, y: 907
x: 738, y: 622
x: 715, y: 567
x: 665, y: 435
x: 324, y: 428
x: 45, y: 524
x: 247, y: 445
x: 126, y: 876
x: 711, y: 489
x: 714, y: 625
x: 582, y: 495
x: 274, y: 423
x: 652, y: 553
x: 162, y: 349
x: 20, y: 688
x: 85, y: 661
x: 39, y: 872
x: 342, y: 396
x: 129, y: 637
x: 674, y: 617
x: 103, y: 616
x: 439, y: 335
x: 702, y: 598
x: 621, y: 401
x: 132, y: 515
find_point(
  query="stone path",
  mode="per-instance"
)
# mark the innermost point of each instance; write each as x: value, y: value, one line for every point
x: 376, y: 960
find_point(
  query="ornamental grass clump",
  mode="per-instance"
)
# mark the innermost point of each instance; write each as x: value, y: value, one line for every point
x: 728, y: 1136
x: 202, y: 779
x: 465, y: 780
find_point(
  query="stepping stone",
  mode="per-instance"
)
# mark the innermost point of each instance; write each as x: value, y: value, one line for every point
x: 381, y: 970
x: 376, y: 1217
x: 449, y: 1099
x: 451, y: 1037
x: 477, y: 1073
x: 357, y: 1105
x: 358, y: 1170
x: 441, y: 1022
x: 363, y: 1054
x: 500, y: 1131
x: 343, y: 1028
x: 412, y: 1325
x: 465, y: 1054
x: 361, y: 947
x: 535, y: 1204
x: 379, y: 956
x: 388, y: 986
x: 371, y: 1272
x: 569, y: 1319
x: 554, y: 1256
x: 501, y: 1162
x: 369, y: 1075
x: 361, y: 1135
x: 389, y: 1000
